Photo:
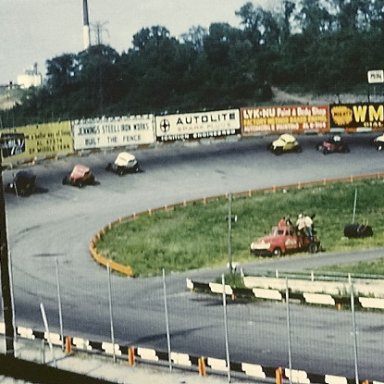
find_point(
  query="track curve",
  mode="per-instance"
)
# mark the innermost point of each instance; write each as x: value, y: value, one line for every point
x: 54, y: 228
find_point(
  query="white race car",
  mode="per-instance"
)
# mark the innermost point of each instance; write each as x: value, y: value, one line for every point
x: 125, y: 163
x: 378, y: 142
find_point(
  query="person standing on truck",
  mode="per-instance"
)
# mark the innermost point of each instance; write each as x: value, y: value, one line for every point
x: 300, y: 224
x: 282, y: 223
x: 308, y: 225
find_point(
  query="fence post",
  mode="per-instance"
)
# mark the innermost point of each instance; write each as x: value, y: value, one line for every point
x: 59, y: 303
x: 202, y: 367
x: 68, y: 344
x: 111, y: 312
x: 279, y: 375
x: 354, y: 333
x: 288, y: 330
x: 226, y: 328
x: 131, y: 356
x: 167, y: 322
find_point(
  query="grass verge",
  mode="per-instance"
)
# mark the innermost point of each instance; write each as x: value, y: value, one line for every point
x: 196, y: 236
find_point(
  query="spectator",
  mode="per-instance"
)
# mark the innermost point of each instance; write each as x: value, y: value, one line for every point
x: 300, y: 224
x: 308, y: 225
x: 282, y: 223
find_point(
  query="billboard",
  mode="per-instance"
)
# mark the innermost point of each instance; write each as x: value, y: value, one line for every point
x: 355, y: 116
x: 284, y: 118
x: 32, y: 141
x: 12, y: 144
x: 190, y: 126
x: 113, y: 132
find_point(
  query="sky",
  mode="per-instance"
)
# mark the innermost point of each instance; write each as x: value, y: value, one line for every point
x: 34, y: 31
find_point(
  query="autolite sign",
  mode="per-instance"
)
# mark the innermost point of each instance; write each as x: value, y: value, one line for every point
x: 291, y: 118
x: 199, y: 125
x: 361, y: 115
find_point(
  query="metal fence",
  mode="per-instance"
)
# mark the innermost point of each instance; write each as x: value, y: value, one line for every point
x: 159, y: 320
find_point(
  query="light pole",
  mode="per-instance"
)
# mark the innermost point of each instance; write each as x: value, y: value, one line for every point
x: 5, y: 275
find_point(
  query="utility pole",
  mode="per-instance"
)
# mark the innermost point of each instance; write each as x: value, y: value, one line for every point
x: 5, y: 273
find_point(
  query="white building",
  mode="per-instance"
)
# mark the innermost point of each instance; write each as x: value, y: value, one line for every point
x: 30, y: 78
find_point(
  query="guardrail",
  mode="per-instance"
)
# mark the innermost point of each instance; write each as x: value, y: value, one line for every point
x: 299, y: 291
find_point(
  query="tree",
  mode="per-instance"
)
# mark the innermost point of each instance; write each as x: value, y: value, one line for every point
x: 61, y: 72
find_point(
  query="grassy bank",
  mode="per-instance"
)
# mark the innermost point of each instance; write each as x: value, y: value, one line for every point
x: 196, y: 236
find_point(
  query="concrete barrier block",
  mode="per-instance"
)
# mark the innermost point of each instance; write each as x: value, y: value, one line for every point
x: 181, y: 359
x: 147, y: 354
x: 27, y: 333
x: 81, y: 343
x: 330, y: 379
x: 111, y: 349
x: 218, y: 288
x: 297, y: 376
x: 270, y: 294
x: 254, y: 370
x: 190, y: 284
x: 217, y: 364
x: 54, y: 338
x: 318, y: 298
x: 370, y: 302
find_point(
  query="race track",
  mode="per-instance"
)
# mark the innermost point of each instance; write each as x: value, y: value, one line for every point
x: 53, y: 228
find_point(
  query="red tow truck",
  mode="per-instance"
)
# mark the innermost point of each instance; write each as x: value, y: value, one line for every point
x: 282, y: 240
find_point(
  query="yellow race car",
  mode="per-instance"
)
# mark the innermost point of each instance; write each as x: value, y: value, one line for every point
x: 284, y: 143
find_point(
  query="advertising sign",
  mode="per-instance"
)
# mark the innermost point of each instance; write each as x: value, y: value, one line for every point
x: 12, y: 144
x: 39, y: 140
x: 198, y: 125
x: 278, y: 119
x: 358, y: 115
x: 113, y: 132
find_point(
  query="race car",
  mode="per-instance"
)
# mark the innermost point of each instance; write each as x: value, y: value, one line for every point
x: 378, y: 142
x: 332, y: 145
x: 80, y: 176
x: 23, y: 184
x: 125, y: 163
x: 284, y: 143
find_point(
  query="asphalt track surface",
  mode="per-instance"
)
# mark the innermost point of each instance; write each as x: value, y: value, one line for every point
x: 50, y: 232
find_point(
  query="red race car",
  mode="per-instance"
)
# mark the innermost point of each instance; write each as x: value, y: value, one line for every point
x: 80, y: 176
x: 332, y: 145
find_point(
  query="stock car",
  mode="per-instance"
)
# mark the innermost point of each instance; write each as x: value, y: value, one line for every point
x: 284, y: 143
x: 332, y: 145
x: 124, y: 163
x: 378, y: 142
x: 23, y: 184
x: 80, y: 176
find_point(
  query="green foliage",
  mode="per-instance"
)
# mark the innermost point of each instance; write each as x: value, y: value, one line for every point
x: 322, y: 46
x: 197, y: 235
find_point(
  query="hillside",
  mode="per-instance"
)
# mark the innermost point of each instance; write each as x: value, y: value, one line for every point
x: 8, y: 98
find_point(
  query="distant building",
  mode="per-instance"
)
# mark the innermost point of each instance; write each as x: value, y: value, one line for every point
x: 30, y: 78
